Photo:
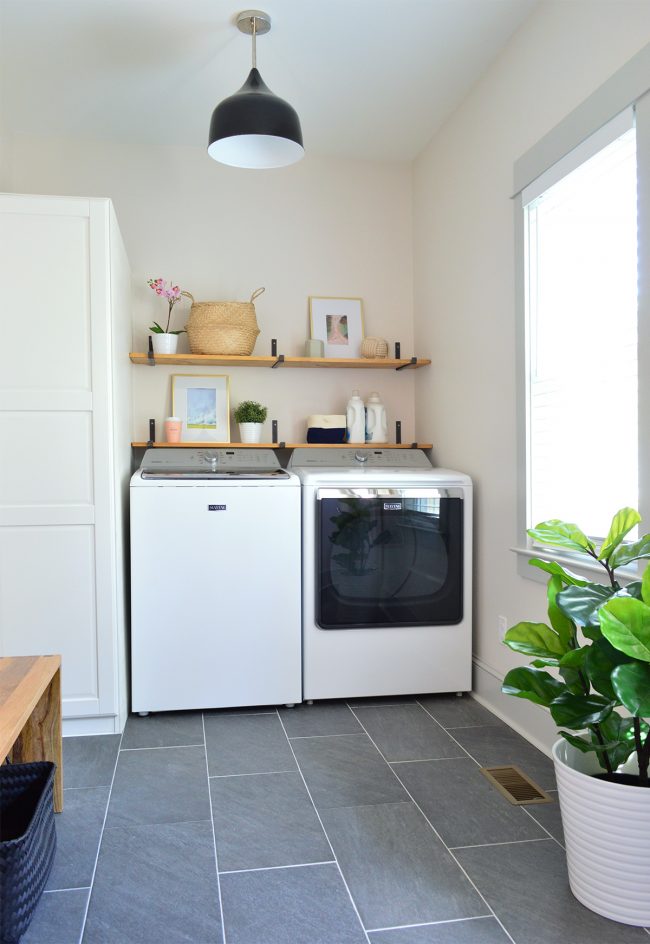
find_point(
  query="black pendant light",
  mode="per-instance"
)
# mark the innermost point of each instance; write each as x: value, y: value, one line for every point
x: 254, y: 128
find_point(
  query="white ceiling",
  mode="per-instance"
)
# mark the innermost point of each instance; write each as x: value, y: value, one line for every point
x: 369, y: 78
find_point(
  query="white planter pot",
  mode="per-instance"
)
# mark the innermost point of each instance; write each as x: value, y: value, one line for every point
x: 250, y: 432
x: 164, y: 343
x: 607, y: 829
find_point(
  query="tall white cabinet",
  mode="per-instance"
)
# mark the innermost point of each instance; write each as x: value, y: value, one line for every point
x: 65, y: 430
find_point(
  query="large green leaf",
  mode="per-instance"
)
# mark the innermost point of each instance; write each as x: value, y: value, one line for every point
x: 645, y: 586
x: 626, y: 553
x: 534, y: 639
x: 621, y: 730
x: 626, y: 624
x: 533, y: 684
x: 553, y: 568
x: 563, y: 626
x: 578, y: 711
x: 600, y: 661
x: 622, y: 523
x: 563, y: 534
x: 581, y: 604
x: 631, y: 683
x: 574, y: 658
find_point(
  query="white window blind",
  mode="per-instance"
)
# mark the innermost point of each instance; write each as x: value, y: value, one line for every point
x: 581, y: 336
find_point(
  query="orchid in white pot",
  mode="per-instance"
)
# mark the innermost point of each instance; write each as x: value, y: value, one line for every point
x: 164, y: 340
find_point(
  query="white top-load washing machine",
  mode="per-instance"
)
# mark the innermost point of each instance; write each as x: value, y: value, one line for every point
x: 215, y: 580
x: 387, y: 573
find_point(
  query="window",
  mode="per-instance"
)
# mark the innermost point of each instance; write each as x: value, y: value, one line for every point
x: 580, y: 261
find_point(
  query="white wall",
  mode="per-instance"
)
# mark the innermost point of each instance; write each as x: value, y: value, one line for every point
x: 321, y: 227
x: 464, y: 285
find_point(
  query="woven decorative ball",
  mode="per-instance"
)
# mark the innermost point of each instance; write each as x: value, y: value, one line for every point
x: 374, y: 347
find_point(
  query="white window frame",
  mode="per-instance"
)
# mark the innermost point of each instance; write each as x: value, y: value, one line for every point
x: 627, y: 88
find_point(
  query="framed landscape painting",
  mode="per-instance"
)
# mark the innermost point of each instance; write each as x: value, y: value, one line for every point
x: 202, y: 403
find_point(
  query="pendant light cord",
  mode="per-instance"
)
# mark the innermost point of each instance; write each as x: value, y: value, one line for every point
x: 254, y: 34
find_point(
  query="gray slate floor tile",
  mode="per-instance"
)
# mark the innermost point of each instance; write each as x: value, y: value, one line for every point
x: 89, y: 761
x: 167, y: 729
x: 58, y: 918
x: 462, y: 806
x: 397, y: 870
x: 322, y: 718
x: 168, y: 785
x: 453, y: 712
x: 78, y: 830
x: 155, y: 884
x: 548, y: 815
x: 406, y: 732
x: 346, y: 771
x: 493, y: 745
x: 263, y: 820
x: 247, y: 744
x: 474, y: 931
x: 527, y: 886
x: 307, y: 905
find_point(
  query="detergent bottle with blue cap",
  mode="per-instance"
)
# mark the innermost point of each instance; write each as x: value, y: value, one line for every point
x: 355, y: 419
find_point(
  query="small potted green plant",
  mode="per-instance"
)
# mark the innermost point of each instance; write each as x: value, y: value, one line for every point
x: 165, y: 341
x: 250, y: 415
x: 597, y: 646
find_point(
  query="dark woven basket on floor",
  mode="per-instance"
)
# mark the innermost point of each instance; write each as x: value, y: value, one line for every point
x: 27, y: 843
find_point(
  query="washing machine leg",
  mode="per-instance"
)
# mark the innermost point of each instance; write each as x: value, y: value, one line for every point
x: 290, y: 704
x: 310, y: 701
x: 459, y: 694
x: 143, y: 714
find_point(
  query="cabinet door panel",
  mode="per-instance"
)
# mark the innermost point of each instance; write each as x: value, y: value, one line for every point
x: 47, y: 604
x: 46, y: 300
x: 50, y: 460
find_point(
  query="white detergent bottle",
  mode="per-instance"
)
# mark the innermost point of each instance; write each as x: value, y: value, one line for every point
x: 376, y: 422
x: 355, y: 419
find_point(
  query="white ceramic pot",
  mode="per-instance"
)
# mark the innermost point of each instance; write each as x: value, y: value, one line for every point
x: 250, y: 432
x: 607, y: 829
x: 164, y: 343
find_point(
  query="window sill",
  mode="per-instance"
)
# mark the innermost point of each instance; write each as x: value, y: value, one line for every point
x: 577, y: 564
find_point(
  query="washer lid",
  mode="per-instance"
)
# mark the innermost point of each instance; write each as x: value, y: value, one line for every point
x: 211, y: 464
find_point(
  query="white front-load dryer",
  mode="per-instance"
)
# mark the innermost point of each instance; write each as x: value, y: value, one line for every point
x: 387, y: 573
x: 215, y: 580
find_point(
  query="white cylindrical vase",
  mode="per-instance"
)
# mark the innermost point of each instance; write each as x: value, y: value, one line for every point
x: 164, y: 343
x: 606, y: 829
x: 250, y: 432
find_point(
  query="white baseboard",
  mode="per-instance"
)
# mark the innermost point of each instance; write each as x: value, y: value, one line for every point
x: 531, y: 721
x: 80, y: 727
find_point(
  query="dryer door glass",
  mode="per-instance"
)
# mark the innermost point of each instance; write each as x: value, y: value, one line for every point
x: 389, y: 557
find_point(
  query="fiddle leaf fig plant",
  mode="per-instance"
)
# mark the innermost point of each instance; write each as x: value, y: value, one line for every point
x: 597, y: 644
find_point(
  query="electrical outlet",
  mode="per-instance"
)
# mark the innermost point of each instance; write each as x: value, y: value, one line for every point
x: 502, y: 626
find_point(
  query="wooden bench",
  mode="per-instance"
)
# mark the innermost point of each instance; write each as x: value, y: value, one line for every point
x: 30, y: 713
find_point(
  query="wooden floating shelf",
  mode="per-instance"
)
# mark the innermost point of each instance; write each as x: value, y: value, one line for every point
x: 279, y: 445
x: 237, y: 360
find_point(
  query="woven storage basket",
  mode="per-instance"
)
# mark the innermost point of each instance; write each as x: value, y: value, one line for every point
x: 27, y: 843
x: 374, y: 347
x: 223, y: 327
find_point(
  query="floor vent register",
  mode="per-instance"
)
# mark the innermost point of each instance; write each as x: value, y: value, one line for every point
x: 515, y: 786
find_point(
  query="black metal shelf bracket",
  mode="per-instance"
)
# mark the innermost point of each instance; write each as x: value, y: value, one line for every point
x: 150, y: 357
x: 152, y: 433
x: 274, y: 431
x: 279, y: 361
x: 398, y: 350
x: 274, y: 347
x: 412, y: 363
x: 398, y: 432
x: 414, y: 445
